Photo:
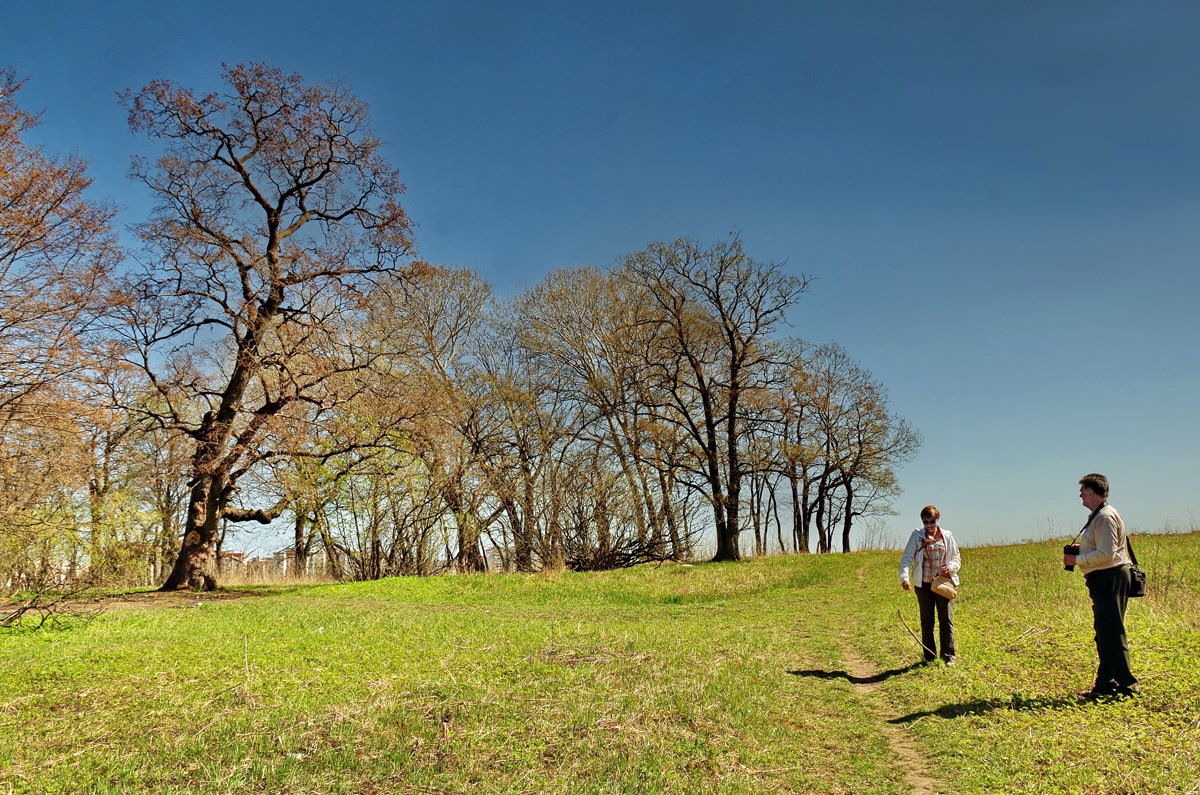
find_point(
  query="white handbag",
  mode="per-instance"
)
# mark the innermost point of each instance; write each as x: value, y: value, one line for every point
x: 944, y: 587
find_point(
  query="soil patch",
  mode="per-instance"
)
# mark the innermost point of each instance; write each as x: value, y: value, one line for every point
x: 156, y: 600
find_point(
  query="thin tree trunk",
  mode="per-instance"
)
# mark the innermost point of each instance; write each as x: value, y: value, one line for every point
x: 799, y: 536
x: 668, y: 511
x: 774, y: 510
x: 822, y: 536
x: 300, y: 547
x: 849, y: 517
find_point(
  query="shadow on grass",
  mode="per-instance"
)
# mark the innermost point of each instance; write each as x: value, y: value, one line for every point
x: 873, y: 679
x: 982, y: 707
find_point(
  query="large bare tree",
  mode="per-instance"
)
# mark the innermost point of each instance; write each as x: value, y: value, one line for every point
x: 840, y: 444
x: 586, y: 326
x: 275, y: 212
x: 434, y: 327
x: 866, y: 441
x: 713, y: 310
x: 522, y: 431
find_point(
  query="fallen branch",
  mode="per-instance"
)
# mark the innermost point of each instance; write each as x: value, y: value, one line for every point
x: 42, y: 608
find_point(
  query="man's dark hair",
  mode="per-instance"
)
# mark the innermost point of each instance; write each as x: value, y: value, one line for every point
x: 1096, y: 482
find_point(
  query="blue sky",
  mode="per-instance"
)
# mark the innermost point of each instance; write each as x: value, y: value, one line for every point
x: 1000, y: 202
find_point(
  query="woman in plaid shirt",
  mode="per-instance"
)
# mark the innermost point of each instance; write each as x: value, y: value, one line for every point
x: 931, y: 551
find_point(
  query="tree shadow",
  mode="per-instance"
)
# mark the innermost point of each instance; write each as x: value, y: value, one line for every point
x: 1017, y: 703
x: 853, y: 679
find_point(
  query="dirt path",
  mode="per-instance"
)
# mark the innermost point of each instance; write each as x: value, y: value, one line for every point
x: 904, y: 749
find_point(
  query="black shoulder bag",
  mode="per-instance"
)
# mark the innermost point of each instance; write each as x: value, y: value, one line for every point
x: 1137, y: 579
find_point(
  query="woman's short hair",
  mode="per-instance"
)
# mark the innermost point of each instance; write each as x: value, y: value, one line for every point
x: 1096, y: 482
x: 930, y: 512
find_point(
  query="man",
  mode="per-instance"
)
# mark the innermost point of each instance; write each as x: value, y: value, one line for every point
x: 1104, y: 560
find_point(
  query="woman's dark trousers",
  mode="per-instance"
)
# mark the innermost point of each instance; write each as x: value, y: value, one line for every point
x: 930, y: 602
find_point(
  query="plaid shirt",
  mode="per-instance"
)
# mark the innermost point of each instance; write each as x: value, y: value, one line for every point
x: 934, y: 558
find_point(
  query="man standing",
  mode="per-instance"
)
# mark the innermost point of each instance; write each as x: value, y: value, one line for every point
x: 1104, y: 560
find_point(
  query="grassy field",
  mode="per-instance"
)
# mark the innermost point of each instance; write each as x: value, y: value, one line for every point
x: 780, y: 675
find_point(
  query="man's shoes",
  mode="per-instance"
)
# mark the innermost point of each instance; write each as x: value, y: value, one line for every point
x: 951, y: 660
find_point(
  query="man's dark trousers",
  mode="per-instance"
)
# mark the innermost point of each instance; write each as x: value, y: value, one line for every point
x: 1109, y: 589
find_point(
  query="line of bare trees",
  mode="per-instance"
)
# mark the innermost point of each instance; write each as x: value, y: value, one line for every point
x: 275, y: 352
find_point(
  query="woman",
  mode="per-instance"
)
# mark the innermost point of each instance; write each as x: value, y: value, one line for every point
x: 931, y: 551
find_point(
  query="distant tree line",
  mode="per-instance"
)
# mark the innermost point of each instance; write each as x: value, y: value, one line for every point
x: 276, y: 351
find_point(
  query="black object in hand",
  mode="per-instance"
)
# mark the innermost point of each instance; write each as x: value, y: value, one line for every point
x: 1070, y: 549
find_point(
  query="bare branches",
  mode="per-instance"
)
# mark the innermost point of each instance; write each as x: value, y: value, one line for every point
x: 56, y: 250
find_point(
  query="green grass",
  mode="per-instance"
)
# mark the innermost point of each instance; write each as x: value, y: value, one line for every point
x: 716, y: 678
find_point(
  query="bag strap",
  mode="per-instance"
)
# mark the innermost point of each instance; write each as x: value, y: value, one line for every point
x: 1089, y: 521
x: 1129, y: 546
x: 929, y: 541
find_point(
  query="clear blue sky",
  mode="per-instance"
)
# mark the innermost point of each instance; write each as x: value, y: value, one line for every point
x: 1000, y: 201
